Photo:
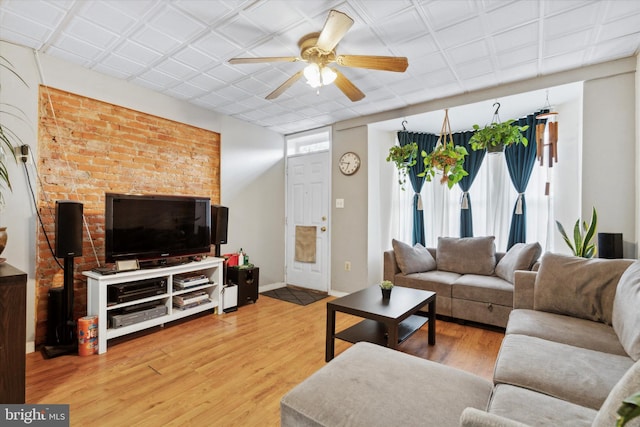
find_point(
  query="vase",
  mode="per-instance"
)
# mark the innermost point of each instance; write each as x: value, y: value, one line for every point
x: 3, y: 238
x: 386, y: 293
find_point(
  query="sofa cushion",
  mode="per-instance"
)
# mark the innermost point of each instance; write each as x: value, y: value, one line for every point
x: 435, y: 281
x: 537, y: 409
x: 629, y: 384
x: 370, y: 385
x: 578, y: 287
x: 521, y: 256
x: 412, y: 259
x: 626, y: 310
x: 467, y: 255
x: 577, y: 375
x: 565, y: 329
x: 491, y: 289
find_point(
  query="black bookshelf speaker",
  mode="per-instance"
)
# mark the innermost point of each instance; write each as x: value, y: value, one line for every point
x: 68, y: 229
x: 219, y: 224
x: 610, y: 245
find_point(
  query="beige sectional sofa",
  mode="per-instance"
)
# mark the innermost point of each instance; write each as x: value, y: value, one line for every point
x: 570, y: 355
x: 472, y: 281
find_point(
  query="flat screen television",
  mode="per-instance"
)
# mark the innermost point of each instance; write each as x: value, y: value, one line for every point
x: 152, y: 227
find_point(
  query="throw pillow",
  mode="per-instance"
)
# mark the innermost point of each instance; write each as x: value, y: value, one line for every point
x: 414, y: 259
x: 467, y: 255
x: 578, y: 287
x: 521, y: 256
x: 626, y: 311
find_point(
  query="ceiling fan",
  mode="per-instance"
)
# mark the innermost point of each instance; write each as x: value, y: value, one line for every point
x: 318, y: 50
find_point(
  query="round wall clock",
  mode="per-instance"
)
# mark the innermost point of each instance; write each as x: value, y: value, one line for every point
x: 349, y: 163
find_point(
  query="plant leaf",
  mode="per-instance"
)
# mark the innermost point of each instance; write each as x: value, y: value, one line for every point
x: 591, y: 230
x: 577, y: 238
x: 564, y: 236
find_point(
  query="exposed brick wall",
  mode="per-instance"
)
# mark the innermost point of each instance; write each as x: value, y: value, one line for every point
x: 87, y: 148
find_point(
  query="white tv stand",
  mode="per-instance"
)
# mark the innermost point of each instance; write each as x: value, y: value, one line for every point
x: 98, y: 303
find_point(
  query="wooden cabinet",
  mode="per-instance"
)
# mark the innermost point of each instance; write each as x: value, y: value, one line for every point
x: 13, y: 333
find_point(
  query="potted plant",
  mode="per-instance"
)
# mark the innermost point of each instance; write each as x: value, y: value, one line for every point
x: 582, y: 245
x: 629, y: 410
x: 495, y: 136
x: 404, y: 157
x: 6, y: 134
x: 386, y: 286
x: 446, y: 160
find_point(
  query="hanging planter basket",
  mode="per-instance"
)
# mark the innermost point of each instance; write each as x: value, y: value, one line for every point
x: 447, y: 159
x: 404, y: 157
x: 497, y: 135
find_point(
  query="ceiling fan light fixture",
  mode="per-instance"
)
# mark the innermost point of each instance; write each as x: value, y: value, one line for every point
x: 318, y: 76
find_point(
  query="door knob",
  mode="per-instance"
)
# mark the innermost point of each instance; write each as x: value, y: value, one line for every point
x: 323, y: 229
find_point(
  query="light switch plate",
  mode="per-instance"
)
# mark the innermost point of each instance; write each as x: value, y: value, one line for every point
x: 339, y: 203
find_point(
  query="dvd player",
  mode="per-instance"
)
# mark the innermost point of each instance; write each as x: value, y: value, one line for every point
x: 125, y: 292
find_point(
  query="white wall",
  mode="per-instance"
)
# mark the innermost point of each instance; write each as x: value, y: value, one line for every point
x: 257, y: 176
x: 349, y: 225
x: 252, y: 175
x: 608, y: 158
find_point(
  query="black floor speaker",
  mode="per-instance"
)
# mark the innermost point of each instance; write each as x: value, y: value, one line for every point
x: 610, y: 245
x: 55, y: 316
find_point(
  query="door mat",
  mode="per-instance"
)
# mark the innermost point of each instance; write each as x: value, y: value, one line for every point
x: 295, y: 295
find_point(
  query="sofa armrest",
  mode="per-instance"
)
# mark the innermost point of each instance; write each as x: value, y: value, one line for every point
x: 472, y: 417
x: 390, y: 266
x: 523, y: 287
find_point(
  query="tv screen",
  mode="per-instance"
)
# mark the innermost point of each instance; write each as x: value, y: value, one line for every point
x: 153, y: 226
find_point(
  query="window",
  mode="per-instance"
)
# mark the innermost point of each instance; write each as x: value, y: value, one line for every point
x: 313, y: 141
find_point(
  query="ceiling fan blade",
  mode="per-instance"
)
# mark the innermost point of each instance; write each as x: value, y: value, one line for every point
x: 384, y: 63
x: 264, y: 59
x: 335, y: 27
x: 347, y: 87
x: 286, y: 85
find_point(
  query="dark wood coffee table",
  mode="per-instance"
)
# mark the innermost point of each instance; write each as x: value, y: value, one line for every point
x: 387, y: 322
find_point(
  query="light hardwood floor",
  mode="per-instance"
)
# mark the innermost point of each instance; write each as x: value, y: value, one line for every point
x: 228, y: 370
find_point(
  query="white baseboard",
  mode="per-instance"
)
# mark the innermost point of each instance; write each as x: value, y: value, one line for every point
x: 338, y: 294
x: 271, y: 286
x: 31, y: 347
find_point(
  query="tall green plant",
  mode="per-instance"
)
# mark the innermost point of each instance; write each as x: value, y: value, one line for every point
x: 6, y: 134
x: 582, y: 244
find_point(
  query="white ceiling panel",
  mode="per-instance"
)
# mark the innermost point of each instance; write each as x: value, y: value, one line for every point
x: 181, y: 47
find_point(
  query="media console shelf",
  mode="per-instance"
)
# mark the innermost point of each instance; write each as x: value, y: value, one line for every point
x: 207, y: 278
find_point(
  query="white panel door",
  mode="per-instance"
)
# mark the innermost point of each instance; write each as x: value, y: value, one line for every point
x: 308, y: 205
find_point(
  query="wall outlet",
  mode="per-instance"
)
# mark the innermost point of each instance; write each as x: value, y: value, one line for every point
x: 22, y: 153
x: 347, y: 266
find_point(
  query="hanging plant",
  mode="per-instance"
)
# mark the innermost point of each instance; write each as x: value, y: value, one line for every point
x: 498, y: 135
x: 404, y: 157
x: 446, y: 159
